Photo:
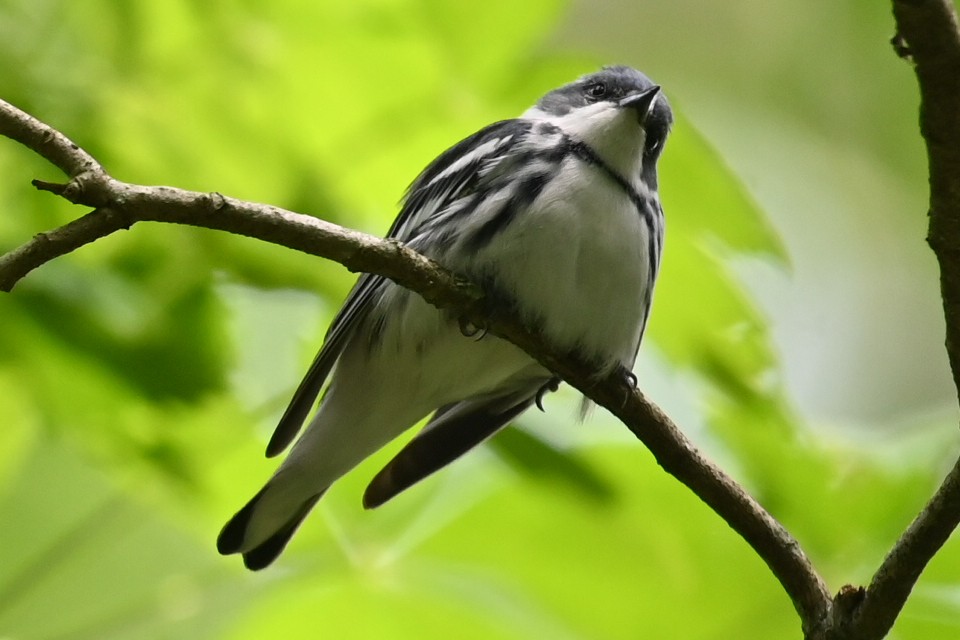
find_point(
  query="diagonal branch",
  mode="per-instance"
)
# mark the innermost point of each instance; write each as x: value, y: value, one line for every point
x: 44, y: 247
x: 120, y: 205
x: 894, y: 580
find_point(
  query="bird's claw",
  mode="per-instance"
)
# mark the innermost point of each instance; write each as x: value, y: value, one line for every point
x: 901, y: 47
x: 550, y: 385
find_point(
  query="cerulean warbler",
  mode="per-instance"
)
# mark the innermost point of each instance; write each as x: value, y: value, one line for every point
x: 557, y: 212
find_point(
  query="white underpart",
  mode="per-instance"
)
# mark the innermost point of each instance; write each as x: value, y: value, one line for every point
x: 575, y: 260
x: 582, y: 275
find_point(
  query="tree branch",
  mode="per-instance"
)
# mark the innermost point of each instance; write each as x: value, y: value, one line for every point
x: 120, y: 205
x: 929, y: 28
x: 927, y: 33
x: 894, y: 580
x: 49, y: 143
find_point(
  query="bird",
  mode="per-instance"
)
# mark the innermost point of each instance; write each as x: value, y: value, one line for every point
x: 557, y: 214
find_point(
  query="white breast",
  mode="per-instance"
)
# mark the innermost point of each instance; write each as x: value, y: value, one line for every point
x: 577, y: 264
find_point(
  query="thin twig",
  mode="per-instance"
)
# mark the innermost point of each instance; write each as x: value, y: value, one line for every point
x: 894, y: 580
x: 52, y: 145
x: 120, y: 205
x: 44, y: 247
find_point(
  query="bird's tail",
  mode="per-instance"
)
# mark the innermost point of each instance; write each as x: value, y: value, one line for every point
x: 264, y: 526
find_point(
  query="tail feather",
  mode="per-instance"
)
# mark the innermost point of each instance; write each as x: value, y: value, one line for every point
x: 453, y: 430
x: 264, y: 554
x: 232, y: 538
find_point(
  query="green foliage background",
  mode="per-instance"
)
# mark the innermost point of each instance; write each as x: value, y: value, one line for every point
x: 141, y: 376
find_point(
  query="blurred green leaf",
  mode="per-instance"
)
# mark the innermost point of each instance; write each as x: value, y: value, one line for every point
x: 702, y: 318
x: 540, y: 459
x: 168, y: 349
x: 86, y: 561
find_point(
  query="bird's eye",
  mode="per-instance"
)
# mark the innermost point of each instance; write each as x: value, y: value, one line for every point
x: 597, y: 91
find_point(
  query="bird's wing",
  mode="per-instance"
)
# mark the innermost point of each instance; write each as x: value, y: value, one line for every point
x: 453, y: 430
x: 353, y: 310
x: 453, y: 175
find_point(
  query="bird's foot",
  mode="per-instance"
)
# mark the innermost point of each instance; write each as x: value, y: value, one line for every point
x: 469, y: 330
x: 550, y: 385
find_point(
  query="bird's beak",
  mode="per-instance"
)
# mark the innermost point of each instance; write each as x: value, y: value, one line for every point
x: 642, y: 102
